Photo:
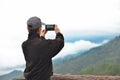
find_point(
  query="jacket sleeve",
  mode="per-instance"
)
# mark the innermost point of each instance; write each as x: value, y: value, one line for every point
x: 56, y: 45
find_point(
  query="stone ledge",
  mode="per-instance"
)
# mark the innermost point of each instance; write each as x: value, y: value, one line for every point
x: 81, y: 77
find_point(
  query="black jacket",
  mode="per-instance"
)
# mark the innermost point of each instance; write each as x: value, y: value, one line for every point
x: 38, y: 53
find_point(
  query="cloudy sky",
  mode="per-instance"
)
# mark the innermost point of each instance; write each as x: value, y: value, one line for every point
x: 77, y: 19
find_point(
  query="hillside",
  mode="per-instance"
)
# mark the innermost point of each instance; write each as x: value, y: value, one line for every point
x: 13, y: 74
x: 95, y: 60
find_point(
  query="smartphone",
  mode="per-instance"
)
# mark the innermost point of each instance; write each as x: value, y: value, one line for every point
x: 50, y: 27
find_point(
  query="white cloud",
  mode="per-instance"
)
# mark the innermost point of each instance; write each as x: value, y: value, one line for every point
x: 77, y: 47
x: 10, y: 57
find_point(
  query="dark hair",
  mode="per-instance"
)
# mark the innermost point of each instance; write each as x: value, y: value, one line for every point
x: 29, y: 26
x: 32, y: 30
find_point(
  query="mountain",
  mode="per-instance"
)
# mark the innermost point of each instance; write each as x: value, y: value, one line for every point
x: 95, y: 60
x: 102, y: 60
x: 13, y: 74
x: 68, y: 57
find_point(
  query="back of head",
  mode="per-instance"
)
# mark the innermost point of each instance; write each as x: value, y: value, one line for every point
x: 33, y: 24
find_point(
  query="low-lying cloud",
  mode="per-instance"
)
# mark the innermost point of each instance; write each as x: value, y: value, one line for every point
x: 13, y: 56
x: 76, y: 47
